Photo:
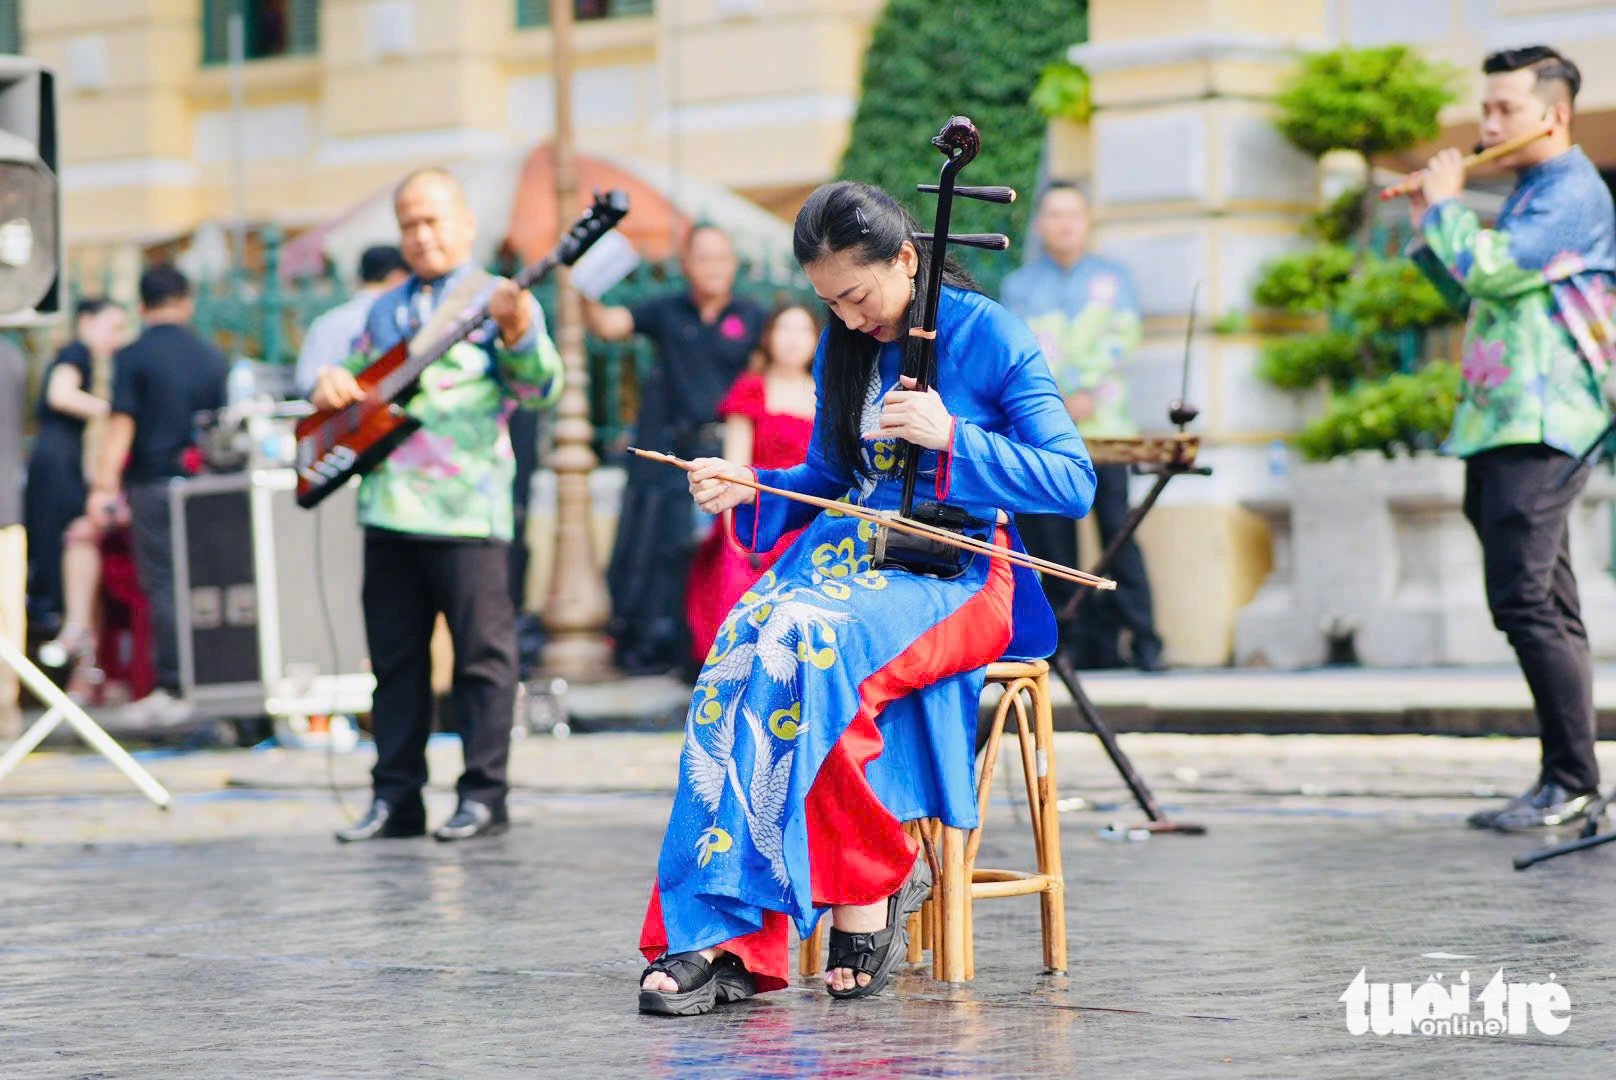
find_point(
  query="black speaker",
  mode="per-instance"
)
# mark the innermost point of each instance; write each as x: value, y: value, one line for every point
x: 30, y: 195
x: 267, y: 597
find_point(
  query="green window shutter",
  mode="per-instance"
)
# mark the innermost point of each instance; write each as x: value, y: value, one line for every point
x: 631, y: 7
x: 532, y: 13
x: 10, y: 26
x: 216, y: 31
x: 305, y: 31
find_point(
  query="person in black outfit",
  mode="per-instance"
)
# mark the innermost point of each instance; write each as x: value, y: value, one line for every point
x: 159, y: 383
x: 703, y: 338
x: 56, y: 484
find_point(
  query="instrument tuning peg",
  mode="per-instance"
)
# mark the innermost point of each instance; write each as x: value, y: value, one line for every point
x: 968, y: 191
x: 990, y: 241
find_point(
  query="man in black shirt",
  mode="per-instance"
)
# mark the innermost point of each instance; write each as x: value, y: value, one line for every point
x: 159, y: 383
x: 703, y: 339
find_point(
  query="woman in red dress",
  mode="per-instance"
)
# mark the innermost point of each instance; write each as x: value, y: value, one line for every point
x: 768, y: 419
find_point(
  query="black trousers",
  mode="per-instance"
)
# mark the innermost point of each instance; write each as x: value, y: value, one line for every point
x: 150, y: 527
x: 409, y: 581
x: 1522, y: 521
x: 1093, y: 635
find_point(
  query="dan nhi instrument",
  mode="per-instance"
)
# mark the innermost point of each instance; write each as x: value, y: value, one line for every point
x: 335, y: 444
x: 959, y: 142
x: 1409, y: 184
x: 898, y: 523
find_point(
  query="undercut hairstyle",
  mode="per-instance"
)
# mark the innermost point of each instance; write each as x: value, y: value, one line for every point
x: 431, y: 172
x: 871, y: 225
x: 376, y: 263
x: 161, y: 285
x: 1554, y: 74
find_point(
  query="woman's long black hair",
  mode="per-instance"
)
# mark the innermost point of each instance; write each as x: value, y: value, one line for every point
x: 849, y: 215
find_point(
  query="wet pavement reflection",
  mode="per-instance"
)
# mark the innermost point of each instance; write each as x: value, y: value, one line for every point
x: 277, y: 953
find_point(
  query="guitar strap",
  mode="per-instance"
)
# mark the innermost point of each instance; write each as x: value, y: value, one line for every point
x: 457, y: 303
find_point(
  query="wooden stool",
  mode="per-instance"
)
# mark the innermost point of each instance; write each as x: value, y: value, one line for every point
x: 944, y: 924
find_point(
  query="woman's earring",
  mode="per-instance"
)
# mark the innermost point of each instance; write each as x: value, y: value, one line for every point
x: 913, y: 290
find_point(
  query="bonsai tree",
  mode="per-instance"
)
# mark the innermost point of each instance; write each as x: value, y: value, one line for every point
x: 1374, y: 310
x: 1372, y: 101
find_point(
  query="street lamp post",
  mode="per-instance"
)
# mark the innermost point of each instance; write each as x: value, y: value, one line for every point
x: 576, y: 610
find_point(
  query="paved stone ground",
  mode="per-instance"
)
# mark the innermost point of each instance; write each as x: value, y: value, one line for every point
x: 231, y: 937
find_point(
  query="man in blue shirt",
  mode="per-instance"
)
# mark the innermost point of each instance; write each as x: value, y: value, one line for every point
x: 330, y: 338
x: 1083, y: 310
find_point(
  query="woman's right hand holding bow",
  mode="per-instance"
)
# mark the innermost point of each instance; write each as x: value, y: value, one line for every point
x: 710, y: 486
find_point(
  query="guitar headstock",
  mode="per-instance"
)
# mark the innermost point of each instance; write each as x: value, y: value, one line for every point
x: 609, y: 208
x: 958, y: 140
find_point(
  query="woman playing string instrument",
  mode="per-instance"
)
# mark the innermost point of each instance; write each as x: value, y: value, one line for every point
x: 840, y: 698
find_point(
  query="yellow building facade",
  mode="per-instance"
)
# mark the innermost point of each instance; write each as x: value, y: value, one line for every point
x: 338, y: 97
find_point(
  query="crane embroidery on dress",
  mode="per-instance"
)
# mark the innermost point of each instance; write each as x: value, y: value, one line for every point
x: 762, y: 798
x: 786, y: 626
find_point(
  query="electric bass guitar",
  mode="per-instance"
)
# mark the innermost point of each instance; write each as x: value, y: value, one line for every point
x: 336, y: 444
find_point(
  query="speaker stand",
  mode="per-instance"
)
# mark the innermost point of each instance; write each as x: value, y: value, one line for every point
x: 62, y: 708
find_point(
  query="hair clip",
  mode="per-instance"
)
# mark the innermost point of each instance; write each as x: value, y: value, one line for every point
x: 863, y: 222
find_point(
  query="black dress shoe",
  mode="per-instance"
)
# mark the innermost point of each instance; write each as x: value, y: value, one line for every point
x: 1483, y: 819
x: 383, y: 821
x: 1550, y: 806
x: 473, y: 819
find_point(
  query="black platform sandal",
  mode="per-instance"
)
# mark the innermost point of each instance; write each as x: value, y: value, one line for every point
x: 878, y: 955
x: 702, y: 984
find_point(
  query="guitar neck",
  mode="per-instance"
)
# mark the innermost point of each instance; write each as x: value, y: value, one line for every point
x: 412, y: 368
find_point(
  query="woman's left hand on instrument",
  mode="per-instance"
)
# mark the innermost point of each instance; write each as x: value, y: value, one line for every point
x: 915, y: 416
x: 1443, y: 177
x: 710, y: 488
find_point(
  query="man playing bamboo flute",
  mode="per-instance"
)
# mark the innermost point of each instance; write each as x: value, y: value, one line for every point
x: 1537, y: 346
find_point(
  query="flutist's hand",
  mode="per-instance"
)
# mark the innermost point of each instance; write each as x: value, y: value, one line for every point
x: 712, y: 492
x: 1443, y: 177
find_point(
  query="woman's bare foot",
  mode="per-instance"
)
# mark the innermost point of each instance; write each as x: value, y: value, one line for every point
x: 855, y: 919
x: 664, y: 983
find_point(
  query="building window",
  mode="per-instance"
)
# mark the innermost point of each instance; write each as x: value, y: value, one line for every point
x: 537, y: 12
x: 272, y: 28
x: 11, y: 26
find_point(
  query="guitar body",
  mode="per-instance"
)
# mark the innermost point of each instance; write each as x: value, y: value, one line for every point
x: 336, y: 444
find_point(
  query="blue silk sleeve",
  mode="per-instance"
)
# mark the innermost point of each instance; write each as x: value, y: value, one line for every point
x: 1041, y: 465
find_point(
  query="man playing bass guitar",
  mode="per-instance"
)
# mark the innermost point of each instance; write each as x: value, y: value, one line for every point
x: 438, y: 514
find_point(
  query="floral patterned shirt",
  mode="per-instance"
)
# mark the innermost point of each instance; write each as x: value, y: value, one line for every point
x: 1539, y: 284
x: 452, y: 478
x: 1086, y: 320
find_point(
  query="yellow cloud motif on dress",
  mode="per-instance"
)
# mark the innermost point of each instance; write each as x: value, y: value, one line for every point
x: 787, y: 723
x: 706, y: 705
x: 712, y: 841
x: 821, y: 657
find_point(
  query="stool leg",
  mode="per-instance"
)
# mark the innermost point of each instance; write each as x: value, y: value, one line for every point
x: 955, y: 897
x: 914, y: 939
x: 809, y: 950
x: 1054, y: 901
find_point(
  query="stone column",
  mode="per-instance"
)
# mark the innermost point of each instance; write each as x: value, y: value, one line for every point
x: 1192, y: 183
